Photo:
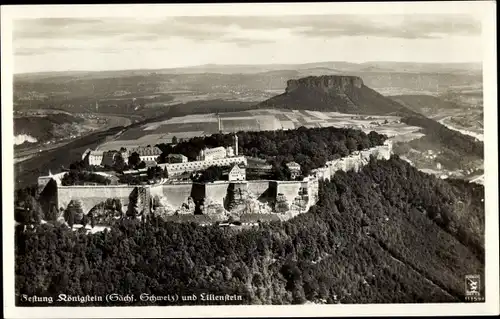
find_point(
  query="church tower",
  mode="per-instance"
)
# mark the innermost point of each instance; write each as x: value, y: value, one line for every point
x: 219, y: 121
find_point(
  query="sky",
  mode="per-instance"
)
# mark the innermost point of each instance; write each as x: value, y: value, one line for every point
x: 71, y: 44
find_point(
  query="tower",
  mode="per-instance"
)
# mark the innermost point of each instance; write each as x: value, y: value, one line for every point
x: 235, y: 144
x: 219, y: 121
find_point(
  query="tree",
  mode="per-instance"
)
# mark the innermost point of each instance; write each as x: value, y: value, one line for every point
x: 133, y: 205
x: 174, y: 140
x: 92, y: 220
x: 118, y: 204
x: 84, y: 221
x: 31, y: 212
x: 73, y: 212
x: 141, y: 165
x: 52, y: 214
x: 134, y: 159
x: 119, y: 164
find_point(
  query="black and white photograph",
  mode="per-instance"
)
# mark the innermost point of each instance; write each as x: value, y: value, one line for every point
x: 250, y: 159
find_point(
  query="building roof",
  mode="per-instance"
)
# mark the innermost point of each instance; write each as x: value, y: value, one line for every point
x: 293, y: 165
x: 146, y: 151
x: 215, y: 150
x: 237, y: 169
x: 177, y: 155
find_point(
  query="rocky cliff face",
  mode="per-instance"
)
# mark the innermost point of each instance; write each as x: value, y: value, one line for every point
x: 334, y: 93
x: 328, y: 83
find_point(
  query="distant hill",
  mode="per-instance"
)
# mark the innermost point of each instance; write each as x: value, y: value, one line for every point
x: 345, y: 94
x: 341, y: 66
x: 43, y: 128
x: 381, y: 66
x: 424, y: 103
x: 348, y: 94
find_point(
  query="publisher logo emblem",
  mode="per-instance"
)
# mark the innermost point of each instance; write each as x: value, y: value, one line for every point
x: 473, y: 288
x: 472, y: 285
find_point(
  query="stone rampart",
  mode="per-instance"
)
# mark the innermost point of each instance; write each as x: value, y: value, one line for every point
x: 216, y: 192
x: 90, y: 196
x: 289, y: 189
x: 174, y: 194
x: 260, y: 189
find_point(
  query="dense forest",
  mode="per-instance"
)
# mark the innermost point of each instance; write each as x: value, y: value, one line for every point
x: 386, y: 234
x: 309, y: 147
x: 457, y: 149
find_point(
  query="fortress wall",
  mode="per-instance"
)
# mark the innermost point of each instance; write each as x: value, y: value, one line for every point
x: 288, y: 188
x: 216, y: 192
x: 384, y: 152
x: 42, y: 182
x: 258, y: 188
x: 352, y: 162
x: 177, y: 194
x: 156, y: 190
x: 92, y: 195
x: 238, y: 186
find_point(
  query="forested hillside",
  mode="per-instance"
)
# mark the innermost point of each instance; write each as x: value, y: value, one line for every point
x: 44, y: 128
x: 457, y: 150
x: 386, y: 234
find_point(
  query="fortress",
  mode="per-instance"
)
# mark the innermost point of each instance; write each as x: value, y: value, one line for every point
x: 221, y: 199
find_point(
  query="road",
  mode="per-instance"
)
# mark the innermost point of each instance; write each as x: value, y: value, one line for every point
x: 445, y: 122
x: 477, y: 179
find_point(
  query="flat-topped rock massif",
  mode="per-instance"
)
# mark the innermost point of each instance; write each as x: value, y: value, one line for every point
x: 338, y: 93
x: 329, y: 83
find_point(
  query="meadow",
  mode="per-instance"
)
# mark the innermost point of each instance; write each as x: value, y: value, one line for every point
x: 186, y: 127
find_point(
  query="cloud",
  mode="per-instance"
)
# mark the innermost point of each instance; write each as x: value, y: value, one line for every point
x: 208, y: 28
x: 245, y: 43
x: 408, y: 27
x: 45, y: 50
x: 128, y: 29
x: 52, y: 35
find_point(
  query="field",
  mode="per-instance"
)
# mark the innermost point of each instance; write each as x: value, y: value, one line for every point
x: 186, y: 127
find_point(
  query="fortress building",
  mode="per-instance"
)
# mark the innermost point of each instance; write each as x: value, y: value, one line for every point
x: 237, y: 173
x: 219, y: 122
x: 235, y: 139
x: 294, y: 169
x: 210, y: 154
x: 176, y: 158
x: 92, y: 157
x: 288, y: 197
x: 148, y: 153
x: 180, y: 168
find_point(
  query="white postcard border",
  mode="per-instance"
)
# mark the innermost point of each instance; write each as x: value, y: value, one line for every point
x: 486, y: 9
